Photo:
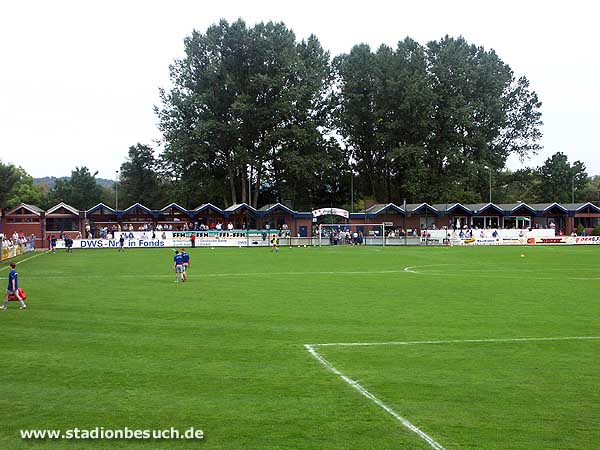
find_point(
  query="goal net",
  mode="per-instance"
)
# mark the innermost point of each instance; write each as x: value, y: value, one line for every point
x: 352, y: 234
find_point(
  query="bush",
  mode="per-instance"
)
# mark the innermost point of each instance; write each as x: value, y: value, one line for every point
x: 596, y: 231
x: 580, y: 229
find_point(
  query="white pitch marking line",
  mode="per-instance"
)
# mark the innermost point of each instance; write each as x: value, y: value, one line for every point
x: 358, y: 387
x: 246, y: 274
x: 411, y: 269
x: 455, y: 341
x: 26, y: 259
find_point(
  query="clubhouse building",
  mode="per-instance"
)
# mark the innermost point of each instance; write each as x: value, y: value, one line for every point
x: 29, y: 219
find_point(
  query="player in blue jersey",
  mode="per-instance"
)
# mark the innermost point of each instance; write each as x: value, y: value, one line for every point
x: 13, y: 287
x: 178, y: 265
x: 186, y: 263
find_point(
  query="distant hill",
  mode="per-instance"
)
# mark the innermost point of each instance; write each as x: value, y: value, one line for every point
x: 51, y: 181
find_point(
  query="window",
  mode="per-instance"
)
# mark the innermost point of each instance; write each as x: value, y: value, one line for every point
x: 587, y: 222
x: 22, y: 220
x: 517, y: 222
x: 62, y: 224
x: 485, y: 221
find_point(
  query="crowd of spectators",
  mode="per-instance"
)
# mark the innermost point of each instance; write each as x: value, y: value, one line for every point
x: 110, y: 231
x: 17, y: 239
x: 342, y: 236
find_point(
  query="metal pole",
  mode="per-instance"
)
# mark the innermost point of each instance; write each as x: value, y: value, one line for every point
x: 248, y: 208
x: 404, y: 223
x: 426, y: 226
x: 447, y: 225
x: 352, y: 191
x: 116, y: 190
x: 490, y: 185
x: 573, y: 190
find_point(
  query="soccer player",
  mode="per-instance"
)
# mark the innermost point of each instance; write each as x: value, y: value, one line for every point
x: 275, y: 243
x: 122, y: 243
x: 53, y: 243
x: 186, y: 263
x: 69, y: 244
x: 178, y: 265
x: 13, y: 288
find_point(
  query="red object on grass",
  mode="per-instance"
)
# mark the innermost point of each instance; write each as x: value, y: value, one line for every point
x: 22, y: 294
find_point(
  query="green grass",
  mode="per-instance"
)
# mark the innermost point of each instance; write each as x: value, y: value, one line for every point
x: 110, y: 340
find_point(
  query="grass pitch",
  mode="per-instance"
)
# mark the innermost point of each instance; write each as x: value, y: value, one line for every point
x: 111, y: 341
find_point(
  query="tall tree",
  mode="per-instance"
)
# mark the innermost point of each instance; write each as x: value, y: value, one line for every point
x: 424, y: 123
x: 591, y: 191
x: 242, y: 98
x: 80, y: 191
x: 139, y: 178
x: 559, y: 179
x: 356, y: 117
x: 9, y: 176
x: 24, y: 190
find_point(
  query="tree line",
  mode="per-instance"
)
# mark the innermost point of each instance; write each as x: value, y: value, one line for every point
x: 255, y: 115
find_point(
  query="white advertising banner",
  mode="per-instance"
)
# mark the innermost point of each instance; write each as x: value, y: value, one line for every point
x: 331, y: 211
x: 114, y: 243
x: 224, y: 238
x: 496, y: 237
x: 211, y: 238
x: 587, y: 240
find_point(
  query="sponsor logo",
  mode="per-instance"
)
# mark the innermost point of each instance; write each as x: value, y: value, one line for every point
x: 557, y: 240
x: 587, y: 240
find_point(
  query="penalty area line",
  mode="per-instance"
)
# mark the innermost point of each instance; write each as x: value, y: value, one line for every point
x: 364, y: 392
x: 311, y: 348
x: 457, y: 341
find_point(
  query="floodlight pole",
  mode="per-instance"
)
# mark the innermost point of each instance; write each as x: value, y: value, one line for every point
x: 352, y: 190
x: 116, y: 190
x: 573, y: 190
x: 426, y: 226
x: 404, y: 222
x: 490, y: 169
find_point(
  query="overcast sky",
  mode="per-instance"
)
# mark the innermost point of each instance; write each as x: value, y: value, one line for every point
x: 78, y: 79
